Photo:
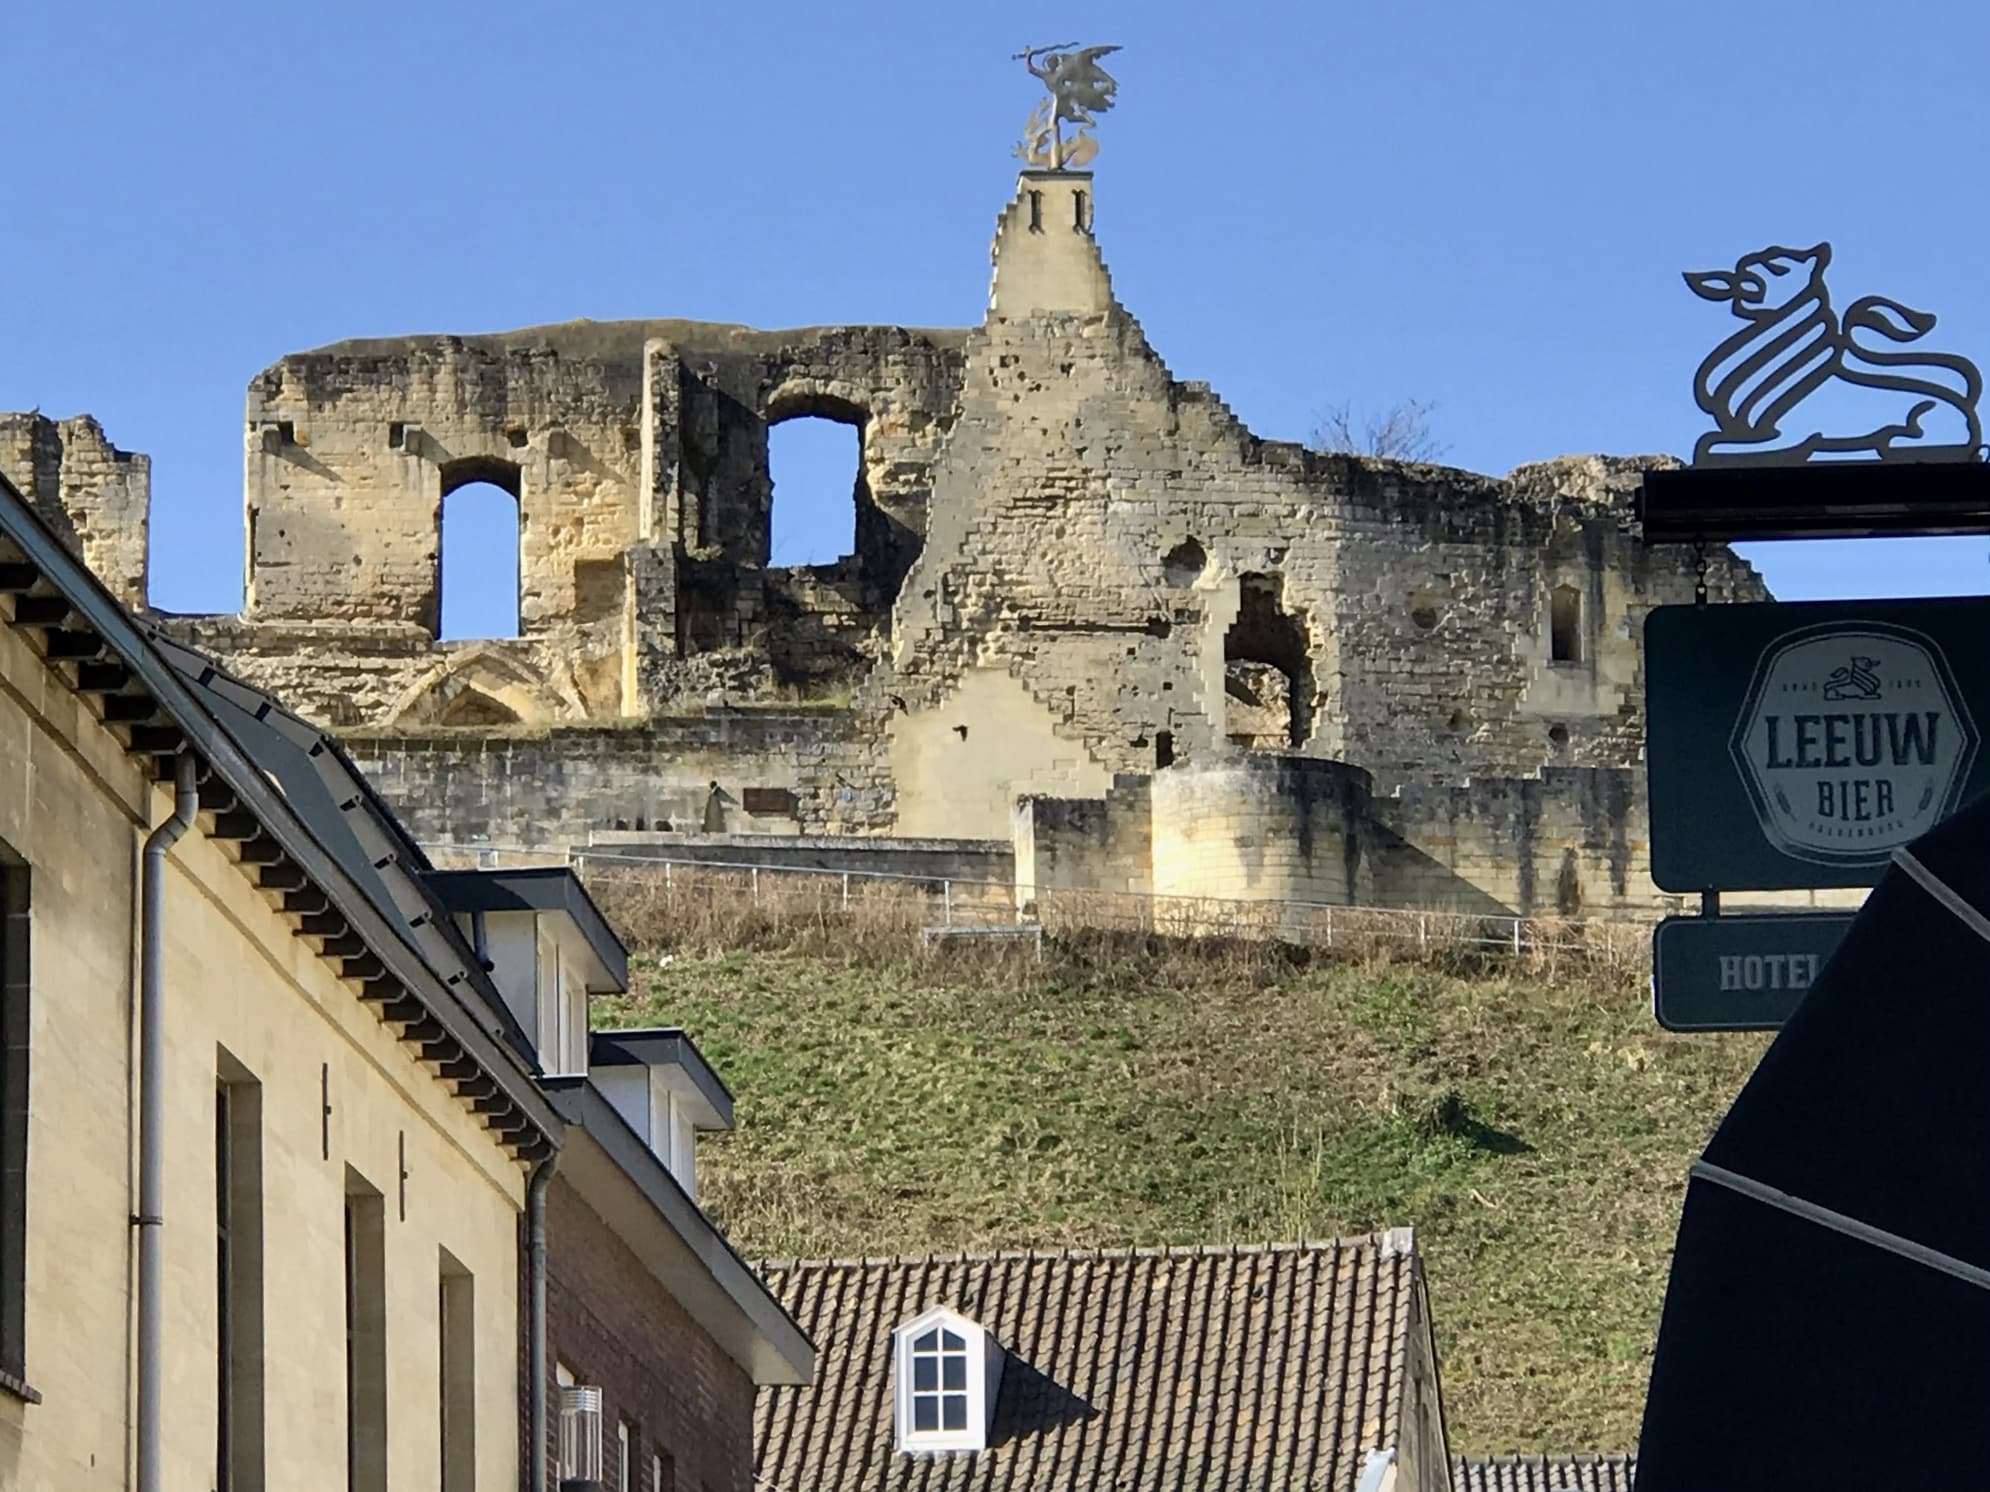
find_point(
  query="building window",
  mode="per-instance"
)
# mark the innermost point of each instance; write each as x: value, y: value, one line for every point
x: 365, y: 1336
x: 1565, y: 625
x: 624, y: 1482
x: 939, y: 1381
x: 657, y: 1482
x: 456, y: 1315
x: 13, y: 1121
x: 947, y: 1373
x: 238, y: 1277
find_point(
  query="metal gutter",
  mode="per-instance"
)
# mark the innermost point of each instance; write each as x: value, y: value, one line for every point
x: 152, y: 1111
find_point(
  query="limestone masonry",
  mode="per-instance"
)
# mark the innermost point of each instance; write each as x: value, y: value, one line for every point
x: 1088, y: 615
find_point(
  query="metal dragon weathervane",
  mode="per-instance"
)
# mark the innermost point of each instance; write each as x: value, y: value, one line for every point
x: 1766, y: 386
x: 1079, y: 88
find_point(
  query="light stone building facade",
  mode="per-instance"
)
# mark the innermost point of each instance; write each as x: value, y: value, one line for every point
x: 1090, y: 624
x: 280, y: 1107
x: 284, y: 1104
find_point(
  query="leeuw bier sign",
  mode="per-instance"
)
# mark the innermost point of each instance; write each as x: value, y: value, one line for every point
x: 1797, y: 745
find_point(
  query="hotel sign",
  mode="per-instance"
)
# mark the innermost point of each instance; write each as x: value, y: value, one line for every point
x: 1797, y: 745
x: 1739, y: 973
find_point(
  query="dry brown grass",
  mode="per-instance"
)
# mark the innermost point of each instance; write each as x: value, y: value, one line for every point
x: 859, y: 918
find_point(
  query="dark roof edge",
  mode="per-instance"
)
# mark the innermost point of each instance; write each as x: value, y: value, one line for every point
x: 103, y: 613
x: 580, y: 1102
x: 1390, y: 1242
x: 652, y: 1044
x: 539, y: 888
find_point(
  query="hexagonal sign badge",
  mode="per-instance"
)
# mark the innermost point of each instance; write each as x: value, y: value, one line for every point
x: 1854, y: 741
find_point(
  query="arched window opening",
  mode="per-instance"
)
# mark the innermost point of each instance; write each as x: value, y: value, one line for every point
x: 1565, y: 625
x: 1267, y: 671
x: 478, y: 579
x: 816, y: 464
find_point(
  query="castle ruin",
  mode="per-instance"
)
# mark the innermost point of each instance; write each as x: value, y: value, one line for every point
x: 1094, y: 632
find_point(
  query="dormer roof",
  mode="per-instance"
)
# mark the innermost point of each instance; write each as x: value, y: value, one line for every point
x: 550, y: 889
x: 670, y: 1054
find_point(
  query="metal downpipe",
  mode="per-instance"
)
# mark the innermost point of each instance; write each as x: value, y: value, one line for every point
x: 535, y: 1222
x: 151, y: 1106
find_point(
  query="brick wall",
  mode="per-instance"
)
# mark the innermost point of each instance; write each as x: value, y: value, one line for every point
x: 612, y: 1324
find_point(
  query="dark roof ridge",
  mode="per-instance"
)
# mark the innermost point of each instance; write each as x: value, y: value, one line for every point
x: 1387, y: 1240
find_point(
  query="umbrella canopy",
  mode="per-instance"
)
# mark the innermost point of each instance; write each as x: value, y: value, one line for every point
x: 1827, y: 1320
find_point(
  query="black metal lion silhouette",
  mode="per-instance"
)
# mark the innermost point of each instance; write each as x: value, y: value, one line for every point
x: 1758, y: 384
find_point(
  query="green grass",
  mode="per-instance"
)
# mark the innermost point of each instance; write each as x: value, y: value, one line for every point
x: 1535, y: 1134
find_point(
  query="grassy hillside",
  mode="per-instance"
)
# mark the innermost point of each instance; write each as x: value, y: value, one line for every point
x: 1535, y: 1132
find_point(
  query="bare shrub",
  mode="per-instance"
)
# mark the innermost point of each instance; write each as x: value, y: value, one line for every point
x: 1402, y: 432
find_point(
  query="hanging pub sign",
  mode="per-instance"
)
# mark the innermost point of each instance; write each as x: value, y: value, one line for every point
x: 1739, y: 973
x: 1797, y: 745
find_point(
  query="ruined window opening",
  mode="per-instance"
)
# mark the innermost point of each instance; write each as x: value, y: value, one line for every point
x: 478, y: 573
x: 1565, y: 625
x: 1267, y: 670
x: 1036, y: 212
x: 1164, y: 749
x: 1184, y: 564
x: 1078, y: 223
x: 816, y: 463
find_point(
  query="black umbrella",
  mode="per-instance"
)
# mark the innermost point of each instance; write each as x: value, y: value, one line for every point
x: 1827, y: 1320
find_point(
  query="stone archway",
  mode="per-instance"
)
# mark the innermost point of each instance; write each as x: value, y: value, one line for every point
x: 485, y: 687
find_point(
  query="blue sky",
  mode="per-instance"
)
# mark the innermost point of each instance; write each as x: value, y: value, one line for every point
x: 1483, y: 206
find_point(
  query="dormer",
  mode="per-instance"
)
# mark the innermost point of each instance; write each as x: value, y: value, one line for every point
x: 547, y: 947
x: 946, y: 1372
x: 658, y: 1082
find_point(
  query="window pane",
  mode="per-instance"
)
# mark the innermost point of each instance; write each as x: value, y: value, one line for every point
x: 956, y: 1371
x: 952, y: 1343
x: 956, y: 1411
x: 925, y: 1412
x: 928, y: 1343
x: 924, y: 1374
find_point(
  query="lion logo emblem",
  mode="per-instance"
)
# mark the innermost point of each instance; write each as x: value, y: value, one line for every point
x: 1795, y: 364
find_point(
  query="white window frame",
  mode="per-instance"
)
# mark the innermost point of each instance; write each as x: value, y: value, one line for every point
x: 623, y: 1481
x: 984, y: 1373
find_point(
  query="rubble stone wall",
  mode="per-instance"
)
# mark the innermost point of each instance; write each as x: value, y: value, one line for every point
x: 1069, y: 567
x: 95, y: 496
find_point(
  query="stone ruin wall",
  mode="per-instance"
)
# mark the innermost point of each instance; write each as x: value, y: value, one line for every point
x: 1072, y: 574
x: 96, y: 497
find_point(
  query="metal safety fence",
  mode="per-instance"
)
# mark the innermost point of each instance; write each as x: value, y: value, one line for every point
x: 936, y: 906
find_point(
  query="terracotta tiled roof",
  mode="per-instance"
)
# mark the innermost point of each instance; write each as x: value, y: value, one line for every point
x: 1544, y: 1474
x: 1269, y: 1368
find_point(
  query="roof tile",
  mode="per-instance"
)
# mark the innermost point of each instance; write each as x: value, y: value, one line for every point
x: 1544, y: 1474
x: 1264, y: 1367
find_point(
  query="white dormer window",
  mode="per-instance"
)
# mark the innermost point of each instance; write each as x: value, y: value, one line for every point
x: 947, y: 1371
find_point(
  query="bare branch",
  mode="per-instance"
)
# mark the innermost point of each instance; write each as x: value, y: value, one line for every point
x: 1401, y: 433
